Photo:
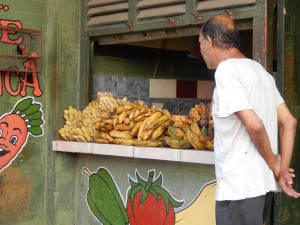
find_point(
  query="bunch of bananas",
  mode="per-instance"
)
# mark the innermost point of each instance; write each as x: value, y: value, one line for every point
x: 110, y: 120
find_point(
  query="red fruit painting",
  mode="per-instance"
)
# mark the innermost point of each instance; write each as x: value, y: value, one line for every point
x: 26, y: 118
x: 149, y: 203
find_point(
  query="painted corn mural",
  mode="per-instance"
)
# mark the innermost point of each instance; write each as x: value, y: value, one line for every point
x: 148, y: 202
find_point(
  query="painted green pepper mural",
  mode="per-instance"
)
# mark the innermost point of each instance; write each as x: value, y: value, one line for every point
x: 104, y: 199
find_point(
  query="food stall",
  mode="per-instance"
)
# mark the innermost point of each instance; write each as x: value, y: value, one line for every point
x: 81, y: 72
x: 131, y: 126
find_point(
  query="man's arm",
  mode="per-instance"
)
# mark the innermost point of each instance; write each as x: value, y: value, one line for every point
x: 260, y: 138
x: 287, y: 131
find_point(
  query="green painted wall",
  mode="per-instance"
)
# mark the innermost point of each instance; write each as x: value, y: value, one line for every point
x: 108, y: 65
x: 290, y: 208
x: 23, y: 183
x: 38, y: 187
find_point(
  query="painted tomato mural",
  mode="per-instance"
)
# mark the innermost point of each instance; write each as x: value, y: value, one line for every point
x: 149, y: 203
x: 26, y: 118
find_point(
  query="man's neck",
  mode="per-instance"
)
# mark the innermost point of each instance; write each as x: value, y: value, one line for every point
x: 224, y: 54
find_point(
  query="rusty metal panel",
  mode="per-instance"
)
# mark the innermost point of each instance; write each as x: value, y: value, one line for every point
x: 111, y: 18
x: 94, y: 3
x: 217, y: 4
x: 108, y: 9
x: 155, y: 3
x: 162, y: 11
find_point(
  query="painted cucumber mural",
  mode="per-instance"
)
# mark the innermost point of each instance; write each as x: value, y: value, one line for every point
x: 148, y: 202
x: 25, y: 118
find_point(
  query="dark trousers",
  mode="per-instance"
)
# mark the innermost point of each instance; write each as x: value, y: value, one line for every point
x: 250, y: 211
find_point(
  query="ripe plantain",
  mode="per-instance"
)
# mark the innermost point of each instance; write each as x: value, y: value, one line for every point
x: 122, y: 127
x: 120, y: 109
x: 131, y: 125
x: 166, y: 112
x: 210, y: 145
x: 102, y: 141
x: 167, y: 124
x: 122, y: 117
x: 156, y: 123
x: 106, y: 136
x: 148, y: 143
x: 193, y: 139
x: 120, y: 134
x: 151, y: 120
x: 127, y: 121
x: 175, y: 143
x: 176, y: 133
x: 204, y: 138
x: 123, y: 141
x: 181, y: 118
x: 136, y: 128
x: 195, y: 128
x: 193, y: 113
x: 109, y: 121
x: 146, y: 134
x: 158, y: 132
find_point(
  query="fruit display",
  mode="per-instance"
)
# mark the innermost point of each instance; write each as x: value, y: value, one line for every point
x: 118, y: 121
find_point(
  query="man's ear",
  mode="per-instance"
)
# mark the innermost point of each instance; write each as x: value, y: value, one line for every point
x: 210, y: 42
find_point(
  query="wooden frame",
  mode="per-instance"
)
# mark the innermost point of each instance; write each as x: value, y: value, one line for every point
x: 143, y: 23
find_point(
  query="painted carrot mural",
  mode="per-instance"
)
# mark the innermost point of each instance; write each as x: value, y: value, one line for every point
x: 26, y: 118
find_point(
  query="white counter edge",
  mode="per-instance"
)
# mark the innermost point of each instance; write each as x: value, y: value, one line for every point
x: 168, y: 154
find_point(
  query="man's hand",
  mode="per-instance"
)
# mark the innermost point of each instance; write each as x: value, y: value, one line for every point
x: 285, y: 181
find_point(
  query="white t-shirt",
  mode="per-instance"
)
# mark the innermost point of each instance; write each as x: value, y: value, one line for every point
x: 241, y: 171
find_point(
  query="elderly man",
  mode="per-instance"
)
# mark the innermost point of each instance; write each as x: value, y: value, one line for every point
x: 247, y: 111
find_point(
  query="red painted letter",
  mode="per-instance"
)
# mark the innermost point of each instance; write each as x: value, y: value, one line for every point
x: 5, y: 33
x: 30, y: 66
x: 8, y: 86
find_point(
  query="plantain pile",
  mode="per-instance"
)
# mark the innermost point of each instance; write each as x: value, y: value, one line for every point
x: 110, y: 120
x: 195, y: 130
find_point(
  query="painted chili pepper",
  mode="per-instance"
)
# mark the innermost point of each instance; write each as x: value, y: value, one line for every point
x: 149, y: 203
x: 104, y: 199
